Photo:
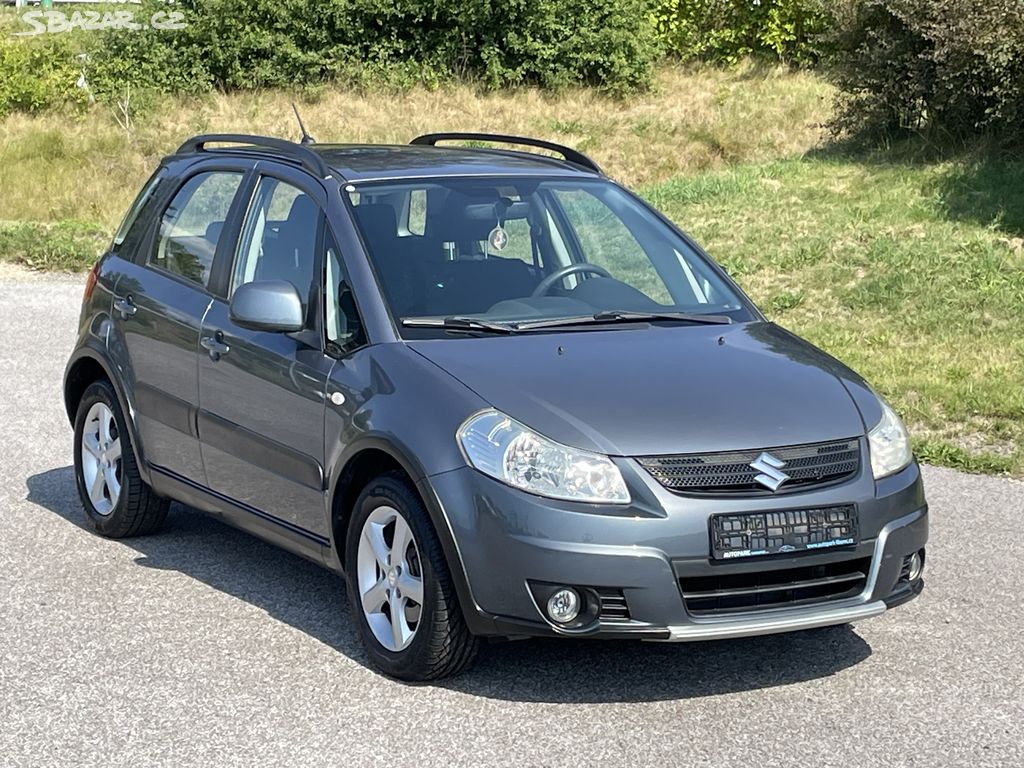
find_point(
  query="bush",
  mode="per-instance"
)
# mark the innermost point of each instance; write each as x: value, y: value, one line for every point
x: 68, y: 246
x: 229, y: 44
x: 36, y: 74
x: 950, y: 68
x: 726, y: 31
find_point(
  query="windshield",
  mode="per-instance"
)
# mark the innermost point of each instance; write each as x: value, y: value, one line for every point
x: 515, y: 251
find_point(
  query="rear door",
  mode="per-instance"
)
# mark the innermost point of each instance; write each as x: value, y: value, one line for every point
x: 261, y: 418
x: 160, y: 300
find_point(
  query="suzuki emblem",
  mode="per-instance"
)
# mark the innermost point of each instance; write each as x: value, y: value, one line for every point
x: 770, y: 468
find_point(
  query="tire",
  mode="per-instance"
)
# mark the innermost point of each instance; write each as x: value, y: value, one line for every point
x: 441, y: 645
x: 134, y: 510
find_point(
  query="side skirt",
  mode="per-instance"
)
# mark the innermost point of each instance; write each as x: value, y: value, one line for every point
x: 265, y: 526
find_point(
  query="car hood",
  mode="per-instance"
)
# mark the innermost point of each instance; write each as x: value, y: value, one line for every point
x: 648, y: 390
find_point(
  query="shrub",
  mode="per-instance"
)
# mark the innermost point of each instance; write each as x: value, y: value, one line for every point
x: 38, y: 73
x: 68, y: 246
x: 951, y: 68
x: 726, y: 31
x: 229, y: 44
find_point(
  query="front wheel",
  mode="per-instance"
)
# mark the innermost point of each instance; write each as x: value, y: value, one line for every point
x: 403, y: 600
x: 117, y: 501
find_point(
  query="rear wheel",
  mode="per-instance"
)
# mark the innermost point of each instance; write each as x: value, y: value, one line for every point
x: 117, y: 502
x: 403, y: 599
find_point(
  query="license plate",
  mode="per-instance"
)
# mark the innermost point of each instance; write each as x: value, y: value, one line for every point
x: 772, y: 533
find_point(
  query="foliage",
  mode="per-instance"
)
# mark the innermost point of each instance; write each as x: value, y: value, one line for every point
x: 38, y: 73
x: 229, y: 44
x: 726, y: 31
x: 949, y: 68
x: 66, y: 246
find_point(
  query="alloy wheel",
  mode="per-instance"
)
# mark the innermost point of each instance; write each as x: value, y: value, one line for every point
x: 390, y: 578
x: 101, y: 458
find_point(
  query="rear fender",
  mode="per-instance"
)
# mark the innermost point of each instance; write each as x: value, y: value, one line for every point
x: 80, y: 372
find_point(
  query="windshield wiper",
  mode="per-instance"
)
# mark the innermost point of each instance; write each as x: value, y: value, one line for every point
x: 458, y: 324
x: 622, y: 316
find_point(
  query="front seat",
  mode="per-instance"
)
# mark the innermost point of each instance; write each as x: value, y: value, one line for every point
x: 291, y: 256
x: 400, y: 274
x: 472, y: 284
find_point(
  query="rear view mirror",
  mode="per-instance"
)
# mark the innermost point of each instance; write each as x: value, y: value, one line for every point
x: 268, y: 305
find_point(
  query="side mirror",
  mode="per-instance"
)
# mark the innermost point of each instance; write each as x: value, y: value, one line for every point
x: 268, y: 305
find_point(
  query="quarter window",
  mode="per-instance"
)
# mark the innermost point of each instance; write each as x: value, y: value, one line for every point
x: 343, y: 326
x: 130, y: 218
x: 417, y: 223
x: 191, y: 225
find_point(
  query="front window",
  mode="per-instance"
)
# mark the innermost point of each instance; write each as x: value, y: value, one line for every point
x: 278, y: 240
x: 515, y: 253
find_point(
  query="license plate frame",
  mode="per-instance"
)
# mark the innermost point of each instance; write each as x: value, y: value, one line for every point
x: 740, y: 535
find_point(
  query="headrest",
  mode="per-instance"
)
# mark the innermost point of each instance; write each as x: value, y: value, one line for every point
x: 378, y: 220
x: 468, y: 217
x: 303, y: 210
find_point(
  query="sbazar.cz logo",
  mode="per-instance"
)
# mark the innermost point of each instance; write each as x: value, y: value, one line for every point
x: 54, y: 22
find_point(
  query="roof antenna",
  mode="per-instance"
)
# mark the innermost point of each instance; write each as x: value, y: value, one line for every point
x: 306, y: 138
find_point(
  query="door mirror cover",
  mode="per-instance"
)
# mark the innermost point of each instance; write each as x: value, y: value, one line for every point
x: 267, y: 305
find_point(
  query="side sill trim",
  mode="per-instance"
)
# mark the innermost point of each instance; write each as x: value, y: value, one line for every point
x: 290, y: 527
x: 774, y: 624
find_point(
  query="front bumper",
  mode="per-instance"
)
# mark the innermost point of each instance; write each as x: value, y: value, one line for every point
x: 785, y: 621
x: 505, y: 540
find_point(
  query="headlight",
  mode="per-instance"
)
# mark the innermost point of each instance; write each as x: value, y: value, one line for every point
x: 508, y: 451
x: 890, y: 444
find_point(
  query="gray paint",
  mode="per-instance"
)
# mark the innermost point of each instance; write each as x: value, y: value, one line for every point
x: 260, y: 430
x: 154, y: 350
x: 261, y: 420
x: 641, y: 551
x: 269, y: 305
x: 649, y: 391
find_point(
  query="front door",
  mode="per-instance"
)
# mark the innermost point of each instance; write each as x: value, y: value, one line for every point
x: 261, y: 417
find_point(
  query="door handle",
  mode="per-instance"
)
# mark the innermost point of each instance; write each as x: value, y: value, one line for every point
x: 215, y: 346
x: 126, y: 307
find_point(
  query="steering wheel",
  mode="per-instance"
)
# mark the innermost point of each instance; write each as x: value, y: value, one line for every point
x: 546, y: 284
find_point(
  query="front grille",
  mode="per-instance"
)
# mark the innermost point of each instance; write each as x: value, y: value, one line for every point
x: 613, y: 605
x: 760, y: 590
x: 730, y: 472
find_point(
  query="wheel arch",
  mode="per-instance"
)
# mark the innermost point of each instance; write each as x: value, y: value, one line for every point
x: 86, y: 367
x: 369, y: 458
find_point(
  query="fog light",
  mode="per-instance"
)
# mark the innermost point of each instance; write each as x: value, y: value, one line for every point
x: 916, y: 566
x: 564, y: 605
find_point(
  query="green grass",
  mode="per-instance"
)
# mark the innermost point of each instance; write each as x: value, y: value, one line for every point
x: 64, y: 246
x: 911, y: 274
x: 910, y: 270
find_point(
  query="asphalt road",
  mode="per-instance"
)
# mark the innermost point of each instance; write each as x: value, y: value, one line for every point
x: 204, y: 646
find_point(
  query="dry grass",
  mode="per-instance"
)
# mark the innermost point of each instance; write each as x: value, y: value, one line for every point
x: 88, y: 168
x: 912, y: 272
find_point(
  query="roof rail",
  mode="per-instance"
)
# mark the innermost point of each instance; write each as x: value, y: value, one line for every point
x: 568, y: 153
x: 309, y: 159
